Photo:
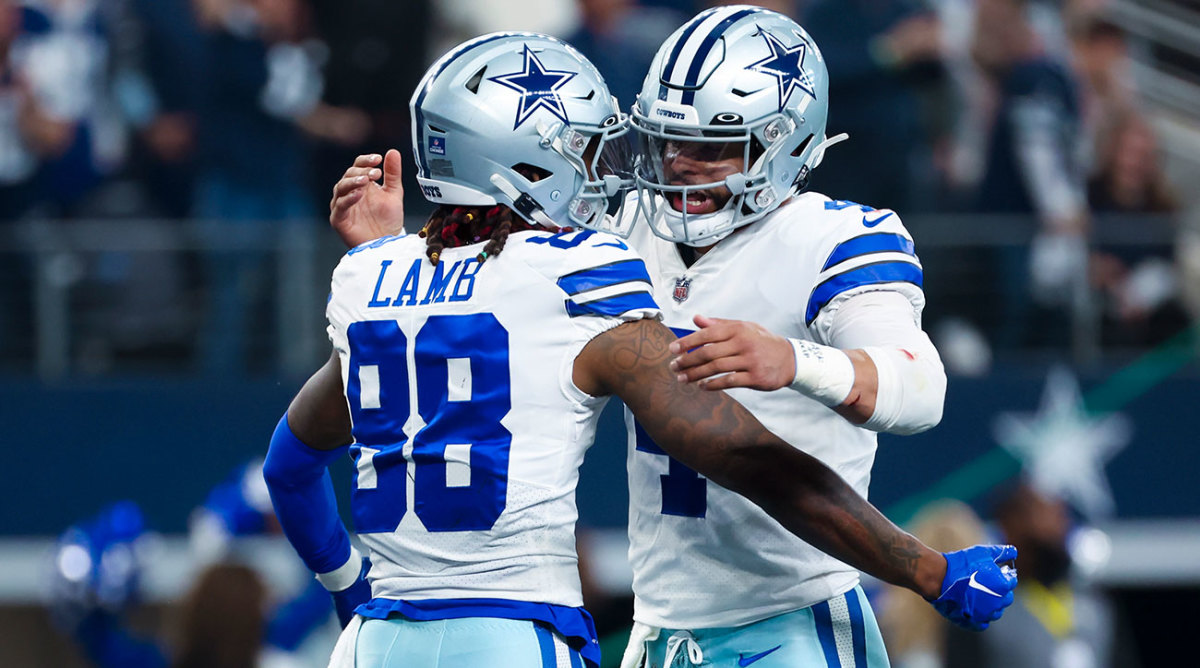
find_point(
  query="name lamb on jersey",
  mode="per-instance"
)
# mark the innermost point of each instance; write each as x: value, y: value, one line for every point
x: 441, y: 283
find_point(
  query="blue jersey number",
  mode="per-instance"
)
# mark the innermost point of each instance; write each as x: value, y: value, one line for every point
x: 460, y: 455
x: 684, y: 492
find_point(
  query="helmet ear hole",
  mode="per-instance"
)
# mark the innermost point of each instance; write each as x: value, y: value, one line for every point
x: 531, y: 173
x: 802, y: 147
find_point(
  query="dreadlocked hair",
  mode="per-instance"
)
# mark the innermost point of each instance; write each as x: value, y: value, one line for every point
x: 450, y: 227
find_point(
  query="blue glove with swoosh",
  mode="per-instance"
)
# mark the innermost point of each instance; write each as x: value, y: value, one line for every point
x: 978, y: 585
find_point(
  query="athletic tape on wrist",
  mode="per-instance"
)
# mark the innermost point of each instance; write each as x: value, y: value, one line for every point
x: 823, y: 373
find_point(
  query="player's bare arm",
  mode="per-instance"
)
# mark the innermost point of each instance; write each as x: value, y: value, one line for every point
x: 750, y: 355
x: 363, y: 206
x: 318, y: 415
x: 720, y: 439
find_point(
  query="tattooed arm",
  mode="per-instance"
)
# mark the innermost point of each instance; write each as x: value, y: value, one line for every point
x: 720, y: 439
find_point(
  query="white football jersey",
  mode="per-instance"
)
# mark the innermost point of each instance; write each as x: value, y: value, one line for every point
x: 703, y: 556
x: 469, y: 431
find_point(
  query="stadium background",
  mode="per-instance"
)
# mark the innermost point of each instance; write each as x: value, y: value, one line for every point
x: 164, y: 262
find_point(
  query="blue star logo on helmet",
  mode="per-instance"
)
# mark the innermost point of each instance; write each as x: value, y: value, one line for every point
x: 787, y: 66
x: 538, y: 87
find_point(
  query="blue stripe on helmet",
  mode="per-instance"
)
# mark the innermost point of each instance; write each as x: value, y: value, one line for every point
x: 669, y: 66
x: 882, y: 242
x: 693, y: 73
x: 419, y: 117
x: 867, y: 274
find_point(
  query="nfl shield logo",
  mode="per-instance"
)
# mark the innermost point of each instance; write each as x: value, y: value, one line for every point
x: 682, y: 284
x: 437, y: 145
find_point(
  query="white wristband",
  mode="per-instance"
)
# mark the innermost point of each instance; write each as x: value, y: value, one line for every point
x: 343, y: 576
x: 822, y: 372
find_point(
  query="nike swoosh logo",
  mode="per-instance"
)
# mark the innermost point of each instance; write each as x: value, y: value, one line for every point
x: 872, y: 223
x: 744, y: 661
x: 974, y: 584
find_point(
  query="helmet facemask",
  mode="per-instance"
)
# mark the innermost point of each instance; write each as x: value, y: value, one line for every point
x: 673, y: 162
x: 602, y: 157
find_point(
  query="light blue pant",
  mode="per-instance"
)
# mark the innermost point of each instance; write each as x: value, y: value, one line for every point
x: 838, y: 633
x: 470, y: 642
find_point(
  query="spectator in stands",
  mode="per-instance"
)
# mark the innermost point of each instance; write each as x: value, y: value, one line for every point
x: 621, y: 37
x: 1139, y: 282
x: 1060, y: 618
x: 1035, y: 171
x: 19, y: 113
x: 66, y: 56
x: 1101, y: 58
x: 377, y: 54
x: 881, y: 55
x: 173, y: 62
x: 263, y: 75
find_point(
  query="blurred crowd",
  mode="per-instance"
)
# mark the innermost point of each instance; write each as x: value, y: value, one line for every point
x: 1017, y: 120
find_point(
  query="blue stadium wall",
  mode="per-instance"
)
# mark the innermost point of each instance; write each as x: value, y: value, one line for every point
x: 71, y: 449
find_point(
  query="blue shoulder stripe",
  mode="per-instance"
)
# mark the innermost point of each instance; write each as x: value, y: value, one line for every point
x: 602, y: 276
x: 882, y: 242
x: 868, y: 274
x: 615, y: 305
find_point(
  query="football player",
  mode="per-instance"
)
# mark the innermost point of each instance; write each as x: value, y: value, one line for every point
x: 474, y: 381
x: 810, y: 307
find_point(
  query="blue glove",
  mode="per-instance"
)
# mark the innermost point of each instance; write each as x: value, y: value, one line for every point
x: 346, y: 600
x: 977, y: 588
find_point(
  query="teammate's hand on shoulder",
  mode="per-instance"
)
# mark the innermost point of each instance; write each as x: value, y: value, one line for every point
x: 978, y: 585
x: 363, y: 209
x: 745, y: 352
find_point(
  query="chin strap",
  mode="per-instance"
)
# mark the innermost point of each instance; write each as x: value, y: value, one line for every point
x: 522, y: 202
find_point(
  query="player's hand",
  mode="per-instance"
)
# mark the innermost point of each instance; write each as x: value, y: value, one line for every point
x: 346, y: 600
x: 978, y: 585
x: 363, y: 209
x: 747, y: 353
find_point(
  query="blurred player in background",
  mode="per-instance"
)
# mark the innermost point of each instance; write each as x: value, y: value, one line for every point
x: 536, y: 339
x: 227, y: 617
x: 817, y: 306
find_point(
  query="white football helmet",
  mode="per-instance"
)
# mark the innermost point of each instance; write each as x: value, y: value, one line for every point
x: 734, y: 82
x: 524, y: 120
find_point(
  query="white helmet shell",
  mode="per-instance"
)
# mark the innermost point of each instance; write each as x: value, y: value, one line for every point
x: 505, y: 106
